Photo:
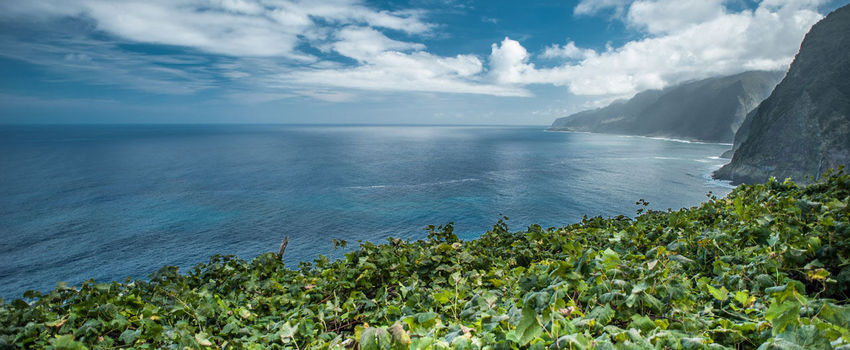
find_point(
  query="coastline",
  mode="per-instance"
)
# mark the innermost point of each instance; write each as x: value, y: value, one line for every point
x: 708, y: 177
x: 661, y: 138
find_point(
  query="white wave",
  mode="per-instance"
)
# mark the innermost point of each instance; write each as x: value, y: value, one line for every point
x: 426, y: 184
x: 712, y: 182
x: 686, y: 141
x: 448, y: 182
x: 671, y: 139
x: 366, y: 187
x: 660, y: 138
x: 576, y: 132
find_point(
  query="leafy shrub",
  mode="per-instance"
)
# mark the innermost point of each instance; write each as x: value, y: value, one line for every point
x: 766, y: 267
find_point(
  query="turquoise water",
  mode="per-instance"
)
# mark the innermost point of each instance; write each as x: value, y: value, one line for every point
x: 110, y: 202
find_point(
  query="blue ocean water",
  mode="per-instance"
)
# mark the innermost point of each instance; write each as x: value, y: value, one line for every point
x: 110, y: 202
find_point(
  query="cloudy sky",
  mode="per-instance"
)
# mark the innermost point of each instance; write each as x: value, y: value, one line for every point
x: 351, y: 61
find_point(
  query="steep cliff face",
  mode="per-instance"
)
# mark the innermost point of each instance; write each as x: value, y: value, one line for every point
x: 741, y: 135
x: 803, y: 128
x: 706, y: 110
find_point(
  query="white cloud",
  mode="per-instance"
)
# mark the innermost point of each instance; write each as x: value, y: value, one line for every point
x: 509, y: 62
x: 13, y: 100
x: 397, y: 71
x: 592, y: 7
x: 254, y: 97
x: 363, y: 43
x: 265, y: 49
x: 235, y: 74
x: 102, y: 63
x: 78, y: 58
x: 710, y: 42
x: 241, y: 6
x: 254, y: 34
x: 328, y: 95
x: 665, y: 16
x: 390, y: 65
x: 238, y: 28
x: 219, y: 32
x: 568, y: 51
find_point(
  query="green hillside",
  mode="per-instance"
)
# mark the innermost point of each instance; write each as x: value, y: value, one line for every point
x: 767, y: 267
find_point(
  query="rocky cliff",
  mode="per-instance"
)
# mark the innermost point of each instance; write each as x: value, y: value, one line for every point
x: 803, y: 128
x: 708, y: 110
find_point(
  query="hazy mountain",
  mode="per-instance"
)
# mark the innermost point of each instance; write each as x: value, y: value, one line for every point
x: 803, y: 128
x: 705, y: 110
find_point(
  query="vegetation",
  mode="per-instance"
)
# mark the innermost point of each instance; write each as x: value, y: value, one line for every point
x: 766, y: 267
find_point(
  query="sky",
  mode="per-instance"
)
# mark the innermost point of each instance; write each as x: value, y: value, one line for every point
x: 370, y: 61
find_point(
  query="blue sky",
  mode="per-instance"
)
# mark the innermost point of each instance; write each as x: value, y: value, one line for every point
x: 350, y: 61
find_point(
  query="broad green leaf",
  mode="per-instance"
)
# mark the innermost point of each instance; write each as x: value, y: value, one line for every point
x: 230, y: 328
x: 643, y: 323
x: 801, y: 338
x: 202, y: 339
x: 693, y: 343
x: 374, y: 338
x: 720, y: 294
x: 67, y: 342
x: 837, y: 315
x: 129, y: 336
x: 739, y: 207
x: 444, y: 296
x: 287, y: 333
x: 400, y: 338
x: 462, y: 342
x: 571, y: 341
x: 602, y: 314
x: 426, y: 317
x: 610, y: 259
x: 528, y: 327
x: 782, y: 315
x: 681, y: 259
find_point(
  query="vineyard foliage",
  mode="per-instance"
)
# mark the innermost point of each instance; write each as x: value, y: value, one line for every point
x: 766, y: 267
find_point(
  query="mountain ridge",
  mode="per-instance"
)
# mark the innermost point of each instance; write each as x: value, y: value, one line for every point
x: 707, y: 110
x: 803, y: 128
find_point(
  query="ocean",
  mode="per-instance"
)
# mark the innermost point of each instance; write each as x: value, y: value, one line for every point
x: 119, y: 201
